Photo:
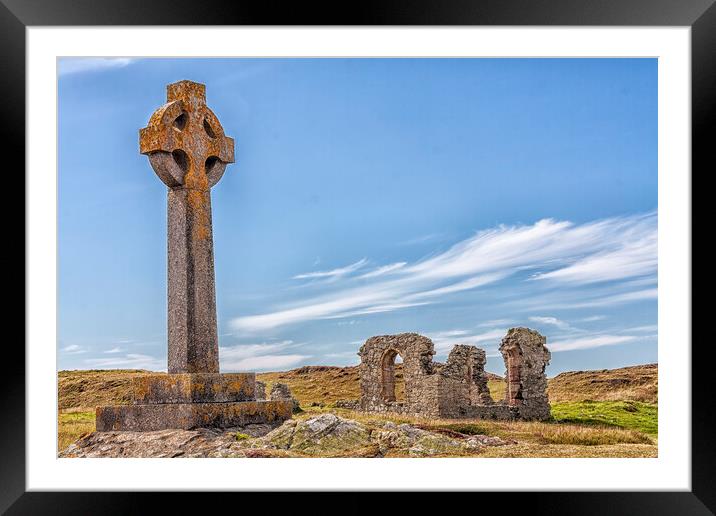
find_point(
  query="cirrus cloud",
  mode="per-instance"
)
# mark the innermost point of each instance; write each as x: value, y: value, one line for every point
x: 561, y: 253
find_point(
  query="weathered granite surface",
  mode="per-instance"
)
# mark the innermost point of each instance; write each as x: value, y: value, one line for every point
x: 143, y: 418
x: 194, y: 388
x: 458, y: 388
x: 189, y: 151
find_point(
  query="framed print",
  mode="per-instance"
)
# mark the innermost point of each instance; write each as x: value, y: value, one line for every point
x: 437, y: 249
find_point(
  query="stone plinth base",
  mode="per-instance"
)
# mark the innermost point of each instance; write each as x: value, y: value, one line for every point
x: 186, y: 401
x: 194, y: 388
x: 185, y: 416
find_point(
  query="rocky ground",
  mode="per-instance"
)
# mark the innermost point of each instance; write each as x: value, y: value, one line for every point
x: 606, y: 413
x: 324, y: 435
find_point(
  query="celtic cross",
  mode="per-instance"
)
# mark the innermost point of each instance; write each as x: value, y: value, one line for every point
x: 188, y: 150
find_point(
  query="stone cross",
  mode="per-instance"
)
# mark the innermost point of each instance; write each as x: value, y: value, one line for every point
x: 189, y: 152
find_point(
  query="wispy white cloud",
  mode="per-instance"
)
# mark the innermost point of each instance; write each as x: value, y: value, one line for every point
x: 114, y: 350
x: 241, y: 351
x: 445, y: 340
x: 589, y: 342
x: 67, y: 66
x: 350, y: 303
x: 449, y: 333
x: 629, y: 251
x: 334, y: 273
x: 420, y: 239
x: 559, y: 252
x: 552, y: 321
x: 73, y: 349
x: 649, y: 328
x: 593, y: 318
x: 263, y: 363
x: 261, y: 356
x: 575, y: 299
x: 495, y: 322
x: 617, y: 299
x: 128, y: 361
x: 380, y: 271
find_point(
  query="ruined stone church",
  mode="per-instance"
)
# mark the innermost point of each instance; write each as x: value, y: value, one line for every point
x: 458, y: 388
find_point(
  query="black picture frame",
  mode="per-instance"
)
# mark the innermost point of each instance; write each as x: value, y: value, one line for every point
x: 699, y: 15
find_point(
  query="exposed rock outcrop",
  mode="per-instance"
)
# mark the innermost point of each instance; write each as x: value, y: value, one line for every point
x: 324, y: 435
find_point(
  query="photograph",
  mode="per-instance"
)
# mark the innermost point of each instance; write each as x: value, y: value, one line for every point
x: 357, y: 257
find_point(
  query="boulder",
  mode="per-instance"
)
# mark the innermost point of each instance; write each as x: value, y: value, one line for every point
x: 322, y: 436
x: 281, y: 391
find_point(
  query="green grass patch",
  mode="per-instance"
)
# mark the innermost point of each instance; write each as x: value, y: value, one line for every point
x: 76, y: 417
x: 73, y: 425
x: 241, y: 437
x: 631, y: 415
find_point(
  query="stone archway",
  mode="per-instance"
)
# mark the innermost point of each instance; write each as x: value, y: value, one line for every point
x: 390, y: 390
x: 513, y: 391
x: 526, y: 357
x: 378, y: 372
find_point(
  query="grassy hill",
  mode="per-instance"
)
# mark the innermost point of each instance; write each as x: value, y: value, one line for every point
x: 87, y: 389
x: 325, y: 385
x: 615, y: 408
x: 328, y: 384
x: 635, y: 383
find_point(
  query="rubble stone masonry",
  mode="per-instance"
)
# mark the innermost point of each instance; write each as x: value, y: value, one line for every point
x: 458, y: 388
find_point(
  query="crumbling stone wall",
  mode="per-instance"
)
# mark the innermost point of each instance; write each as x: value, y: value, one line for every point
x: 377, y: 372
x: 281, y: 391
x: 458, y: 388
x: 526, y: 357
x: 466, y: 364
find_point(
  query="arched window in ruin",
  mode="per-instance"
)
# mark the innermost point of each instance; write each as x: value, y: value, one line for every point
x: 513, y: 361
x: 392, y: 377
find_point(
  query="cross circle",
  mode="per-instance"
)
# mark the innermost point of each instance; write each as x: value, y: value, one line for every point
x: 185, y: 141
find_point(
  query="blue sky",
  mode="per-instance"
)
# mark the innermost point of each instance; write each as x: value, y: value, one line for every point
x: 451, y: 197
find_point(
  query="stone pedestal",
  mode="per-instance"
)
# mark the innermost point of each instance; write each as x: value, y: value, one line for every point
x: 192, y: 400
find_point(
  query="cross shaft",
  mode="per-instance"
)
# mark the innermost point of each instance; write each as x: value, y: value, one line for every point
x: 187, y: 148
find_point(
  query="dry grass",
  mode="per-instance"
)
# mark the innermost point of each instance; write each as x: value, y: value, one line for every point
x: 636, y: 383
x: 89, y: 389
x: 589, y: 436
x: 523, y: 431
x: 533, y: 439
x: 327, y: 384
x: 323, y: 384
x: 587, y: 422
x: 72, y: 425
x: 531, y: 450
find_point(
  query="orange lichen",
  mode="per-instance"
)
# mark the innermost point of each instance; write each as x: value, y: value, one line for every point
x: 199, y: 136
x: 198, y: 201
x: 186, y: 124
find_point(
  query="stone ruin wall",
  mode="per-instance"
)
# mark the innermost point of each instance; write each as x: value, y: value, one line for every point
x: 458, y: 388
